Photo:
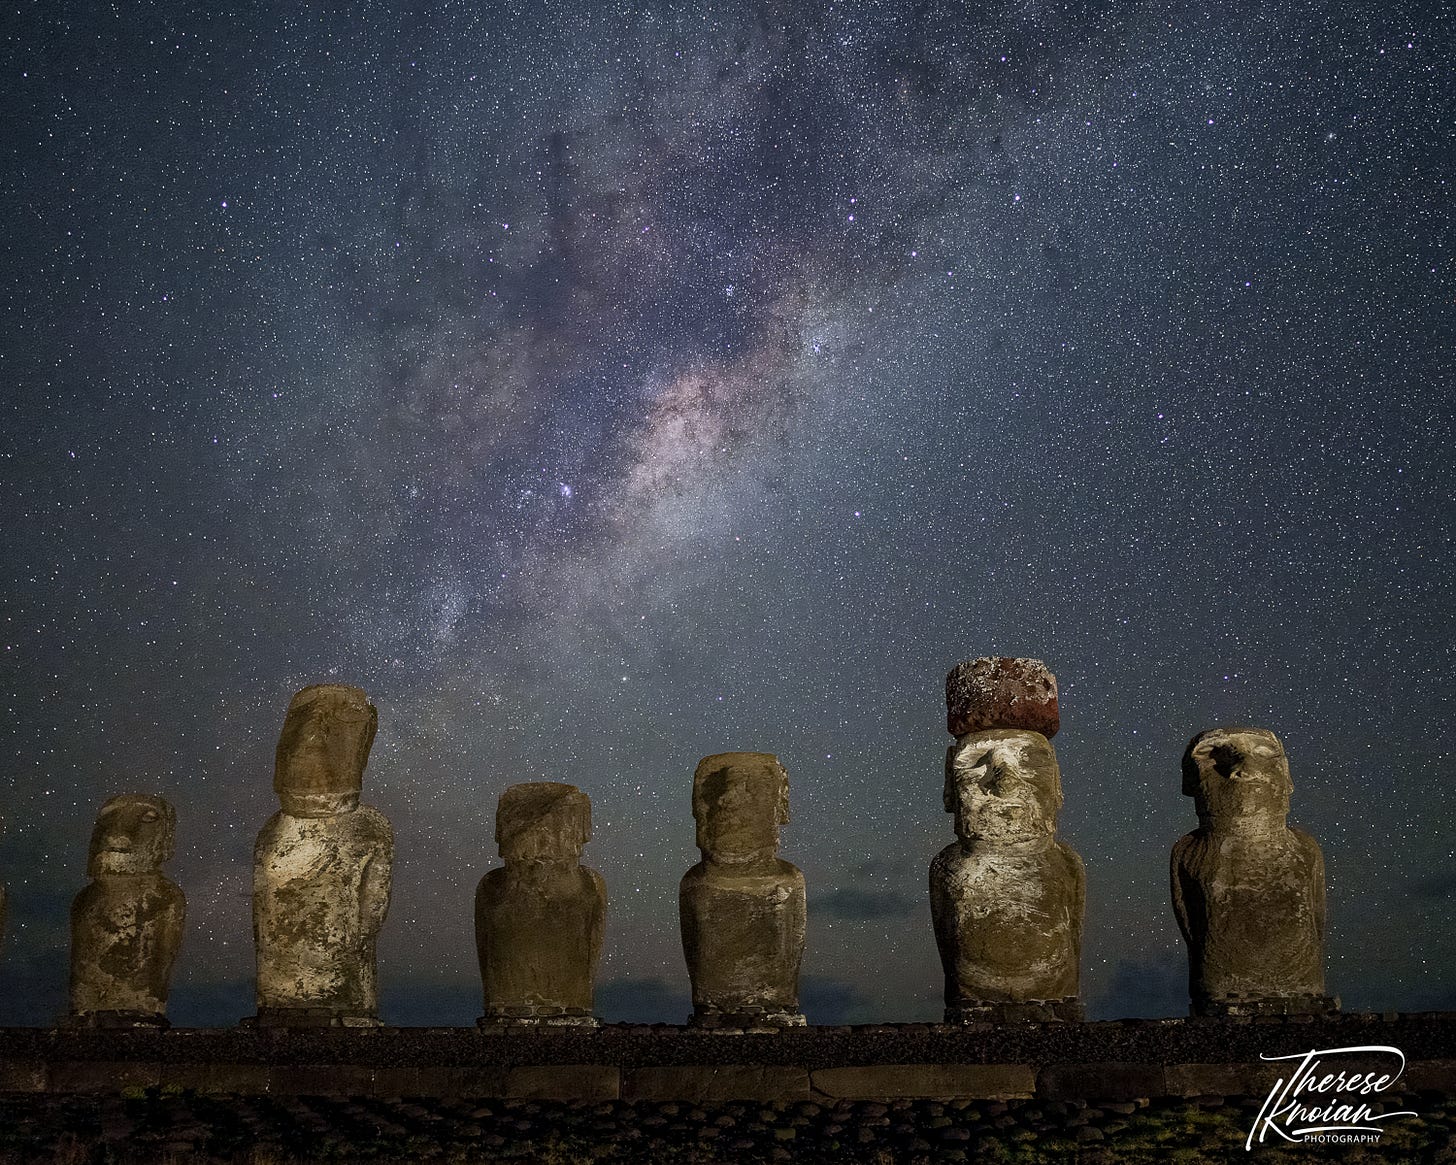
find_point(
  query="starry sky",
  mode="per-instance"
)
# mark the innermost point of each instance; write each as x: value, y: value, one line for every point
x: 603, y: 386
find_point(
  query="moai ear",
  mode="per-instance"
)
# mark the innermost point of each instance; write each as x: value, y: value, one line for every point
x: 781, y: 800
x: 367, y: 742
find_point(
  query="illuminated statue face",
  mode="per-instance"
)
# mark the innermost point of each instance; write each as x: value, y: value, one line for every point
x: 739, y: 801
x: 1238, y: 774
x: 319, y: 766
x: 1003, y: 784
x: 134, y: 834
x: 542, y: 821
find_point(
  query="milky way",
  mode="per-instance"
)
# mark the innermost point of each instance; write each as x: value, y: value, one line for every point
x: 601, y: 390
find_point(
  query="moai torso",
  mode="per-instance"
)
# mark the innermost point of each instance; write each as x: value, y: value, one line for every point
x: 742, y: 909
x: 126, y: 925
x: 539, y: 920
x: 1248, y: 891
x: 321, y: 868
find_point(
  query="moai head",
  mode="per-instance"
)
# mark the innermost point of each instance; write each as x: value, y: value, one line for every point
x: 739, y: 801
x: 134, y: 834
x: 1238, y: 776
x: 543, y: 821
x: 1003, y: 785
x: 319, y: 767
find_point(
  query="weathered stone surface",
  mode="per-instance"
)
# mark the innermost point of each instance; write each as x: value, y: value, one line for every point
x: 1001, y: 692
x: 539, y: 921
x: 1111, y: 1081
x: 321, y: 867
x: 103, y: 1076
x: 1244, y: 1079
x: 705, y: 1082
x: 126, y: 925
x: 742, y: 909
x: 24, y: 1075
x: 1248, y: 891
x: 878, y: 1081
x: 564, y: 1082
x: 1007, y: 898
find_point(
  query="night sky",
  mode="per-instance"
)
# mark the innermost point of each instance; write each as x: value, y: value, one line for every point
x: 603, y: 386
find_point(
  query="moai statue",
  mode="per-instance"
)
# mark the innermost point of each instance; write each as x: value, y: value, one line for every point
x: 126, y: 926
x: 1248, y: 890
x: 321, y: 868
x: 539, y: 920
x: 1007, y: 898
x: 742, y: 909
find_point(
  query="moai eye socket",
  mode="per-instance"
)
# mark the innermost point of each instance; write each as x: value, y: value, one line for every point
x: 1225, y: 759
x: 150, y: 815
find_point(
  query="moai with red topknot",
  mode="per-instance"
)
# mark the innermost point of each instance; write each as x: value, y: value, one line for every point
x: 1007, y: 897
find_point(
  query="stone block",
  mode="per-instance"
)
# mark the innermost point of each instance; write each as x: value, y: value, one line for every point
x: 22, y: 1076
x: 564, y: 1082
x: 1429, y: 1076
x: 321, y: 1079
x: 102, y: 1075
x: 240, y: 1079
x: 1112, y: 1081
x: 710, y: 1082
x: 886, y: 1081
x: 998, y: 692
x: 1241, y: 1079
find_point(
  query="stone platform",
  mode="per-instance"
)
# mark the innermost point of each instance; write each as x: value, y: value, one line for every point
x: 1113, y: 1061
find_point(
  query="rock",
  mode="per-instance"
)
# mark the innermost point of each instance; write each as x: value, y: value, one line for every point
x: 999, y: 692
x: 321, y: 868
x: 1007, y: 898
x: 539, y: 921
x: 126, y: 926
x: 1248, y: 890
x: 742, y: 909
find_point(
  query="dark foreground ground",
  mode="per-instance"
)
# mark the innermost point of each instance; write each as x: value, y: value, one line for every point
x: 183, y: 1127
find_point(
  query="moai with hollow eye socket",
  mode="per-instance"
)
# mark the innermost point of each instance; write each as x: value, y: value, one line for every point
x: 126, y: 925
x: 742, y: 908
x: 321, y: 868
x: 1248, y: 890
x: 539, y: 920
x: 1007, y: 898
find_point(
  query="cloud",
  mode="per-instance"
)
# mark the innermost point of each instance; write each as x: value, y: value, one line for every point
x: 1153, y: 988
x: 832, y: 1001
x: 860, y: 905
x: 643, y: 1001
x: 1433, y: 886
